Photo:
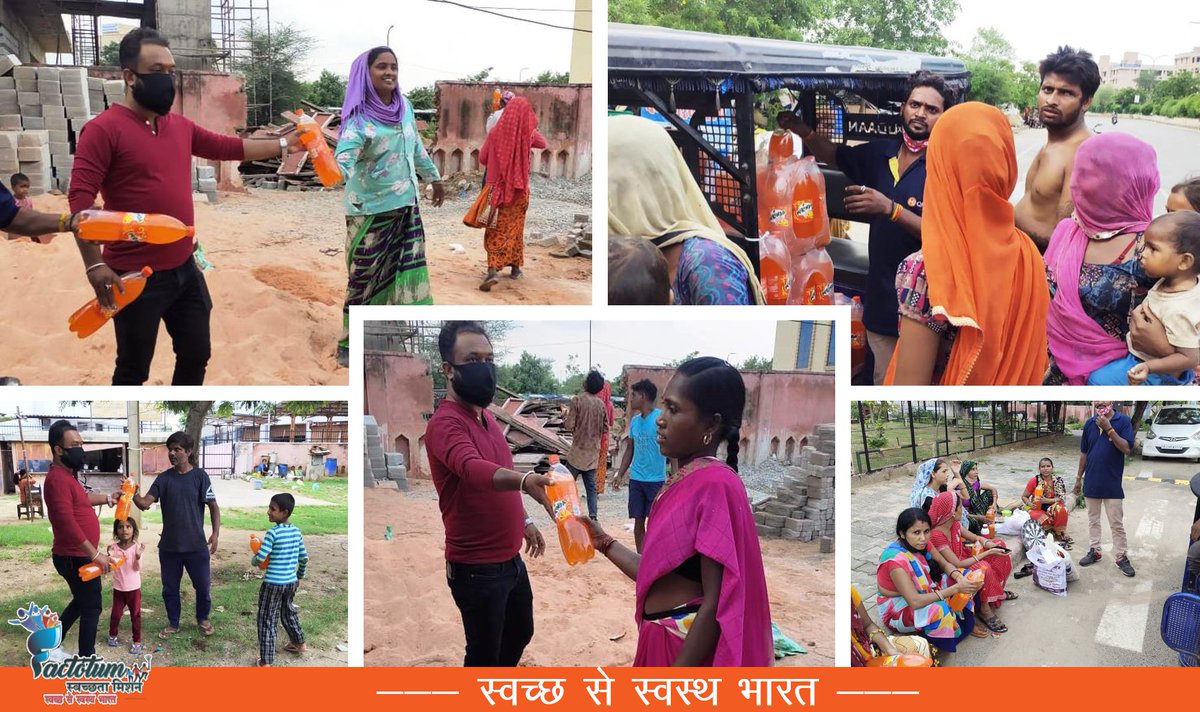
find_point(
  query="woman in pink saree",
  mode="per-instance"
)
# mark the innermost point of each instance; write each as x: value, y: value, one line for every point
x: 701, y: 593
x: 1091, y: 263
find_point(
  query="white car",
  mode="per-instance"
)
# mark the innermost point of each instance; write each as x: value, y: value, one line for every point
x: 1175, y: 432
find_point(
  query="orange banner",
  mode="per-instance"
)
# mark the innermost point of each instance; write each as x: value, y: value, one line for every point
x: 451, y: 689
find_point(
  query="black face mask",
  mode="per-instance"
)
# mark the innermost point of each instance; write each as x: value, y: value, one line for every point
x: 155, y: 91
x: 73, y: 458
x: 475, y: 382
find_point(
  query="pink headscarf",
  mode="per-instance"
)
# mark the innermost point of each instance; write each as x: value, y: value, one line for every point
x: 1113, y: 185
x: 943, y: 508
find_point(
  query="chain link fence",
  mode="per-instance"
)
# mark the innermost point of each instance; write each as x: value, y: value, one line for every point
x: 888, y: 433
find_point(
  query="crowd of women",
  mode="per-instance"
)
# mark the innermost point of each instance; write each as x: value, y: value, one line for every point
x: 927, y: 595
x: 382, y: 156
x: 1114, y: 300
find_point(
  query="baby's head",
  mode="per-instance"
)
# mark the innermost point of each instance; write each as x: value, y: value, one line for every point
x: 20, y: 185
x: 280, y: 509
x: 125, y: 530
x: 1171, y: 245
x: 637, y: 272
x: 1185, y: 196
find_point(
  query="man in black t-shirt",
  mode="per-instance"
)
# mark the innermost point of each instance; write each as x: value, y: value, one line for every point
x: 182, y: 492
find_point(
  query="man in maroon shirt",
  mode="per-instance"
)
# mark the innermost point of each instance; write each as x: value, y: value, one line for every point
x: 138, y: 156
x: 480, y: 498
x: 76, y: 533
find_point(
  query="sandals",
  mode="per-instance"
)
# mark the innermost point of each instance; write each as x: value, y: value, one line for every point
x: 206, y: 627
x: 1010, y: 596
x: 167, y: 632
x: 1066, y: 542
x: 1027, y: 570
x: 293, y: 648
x: 994, y: 624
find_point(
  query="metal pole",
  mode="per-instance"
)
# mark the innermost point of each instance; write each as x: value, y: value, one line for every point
x: 972, y: 414
x: 1038, y: 431
x: 946, y: 425
x: 912, y: 433
x: 21, y: 433
x: 589, y: 346
x: 133, y: 464
x: 862, y: 424
x: 993, y: 412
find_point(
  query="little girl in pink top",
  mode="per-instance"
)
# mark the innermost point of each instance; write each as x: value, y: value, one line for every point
x: 127, y: 582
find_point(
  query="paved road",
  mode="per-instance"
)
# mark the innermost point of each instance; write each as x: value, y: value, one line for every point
x: 1105, y: 618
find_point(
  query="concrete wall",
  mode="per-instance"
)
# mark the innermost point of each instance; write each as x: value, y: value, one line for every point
x: 188, y: 25
x: 15, y: 37
x: 399, y: 394
x: 581, y: 44
x: 787, y: 346
x: 564, y: 118
x: 782, y: 408
x: 249, y: 455
x: 213, y: 100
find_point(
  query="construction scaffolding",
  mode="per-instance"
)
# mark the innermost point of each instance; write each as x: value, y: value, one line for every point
x: 234, y: 24
x: 85, y: 23
x: 402, y: 336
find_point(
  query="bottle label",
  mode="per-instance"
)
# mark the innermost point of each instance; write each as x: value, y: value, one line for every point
x: 133, y: 226
x: 804, y: 210
x: 562, y: 510
x: 778, y: 217
x: 858, y: 340
x: 817, y: 290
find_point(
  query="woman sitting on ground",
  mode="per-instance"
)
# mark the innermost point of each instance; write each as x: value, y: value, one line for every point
x: 652, y: 196
x: 1049, y: 510
x: 948, y: 538
x: 870, y: 641
x: 935, y: 476
x: 980, y: 497
x: 701, y: 593
x: 910, y: 601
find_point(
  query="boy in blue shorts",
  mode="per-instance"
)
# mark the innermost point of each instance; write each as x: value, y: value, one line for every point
x: 644, y: 464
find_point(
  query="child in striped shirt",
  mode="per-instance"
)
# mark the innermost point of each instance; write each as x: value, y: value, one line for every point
x: 287, y: 559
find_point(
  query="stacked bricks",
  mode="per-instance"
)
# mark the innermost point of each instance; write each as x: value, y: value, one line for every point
x: 803, y: 505
x: 33, y: 159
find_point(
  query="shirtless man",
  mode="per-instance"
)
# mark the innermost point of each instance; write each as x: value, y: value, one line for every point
x: 1069, y: 81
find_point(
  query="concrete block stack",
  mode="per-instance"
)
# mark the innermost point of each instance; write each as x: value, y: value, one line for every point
x: 96, y: 96
x: 374, y: 465
x: 33, y: 159
x: 803, y: 507
x: 397, y: 472
x: 114, y: 92
x: 9, y: 141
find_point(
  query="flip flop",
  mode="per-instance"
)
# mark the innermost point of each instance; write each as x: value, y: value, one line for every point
x: 976, y: 633
x: 206, y: 627
x: 166, y: 633
x: 1026, y: 571
x: 1010, y: 596
x: 994, y: 624
x: 292, y: 648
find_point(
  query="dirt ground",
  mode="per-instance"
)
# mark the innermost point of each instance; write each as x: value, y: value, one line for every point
x: 277, y: 285
x: 583, y: 614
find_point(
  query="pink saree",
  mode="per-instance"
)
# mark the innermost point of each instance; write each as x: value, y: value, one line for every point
x: 707, y: 512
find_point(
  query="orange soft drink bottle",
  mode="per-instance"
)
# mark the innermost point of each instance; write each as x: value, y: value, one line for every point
x: 573, y: 534
x: 88, y: 318
x: 812, y: 278
x: 959, y: 600
x: 318, y: 150
x: 780, y: 147
x: 858, y: 335
x: 87, y: 572
x: 123, y: 504
x: 1037, y: 494
x: 810, y: 222
x: 496, y: 99
x: 773, y: 184
x: 775, y: 266
x: 116, y: 226
x: 255, y: 545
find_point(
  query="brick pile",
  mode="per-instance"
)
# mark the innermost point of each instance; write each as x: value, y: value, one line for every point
x: 803, y: 508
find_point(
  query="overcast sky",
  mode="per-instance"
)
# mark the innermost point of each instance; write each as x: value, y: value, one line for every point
x: 434, y: 40
x: 1036, y: 27
x: 645, y: 343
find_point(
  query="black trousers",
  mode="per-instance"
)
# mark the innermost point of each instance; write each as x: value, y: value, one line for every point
x: 179, y: 298
x: 496, y: 603
x: 85, y: 605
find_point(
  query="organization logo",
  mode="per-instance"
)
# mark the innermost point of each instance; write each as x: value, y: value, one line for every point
x: 86, y: 680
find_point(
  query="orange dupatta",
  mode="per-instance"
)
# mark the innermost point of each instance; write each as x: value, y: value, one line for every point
x: 985, y: 276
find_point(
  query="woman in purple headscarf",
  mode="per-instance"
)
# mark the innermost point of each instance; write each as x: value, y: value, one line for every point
x: 382, y: 156
x: 1091, y: 263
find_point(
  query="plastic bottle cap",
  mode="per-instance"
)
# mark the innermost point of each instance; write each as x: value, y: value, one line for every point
x: 191, y: 231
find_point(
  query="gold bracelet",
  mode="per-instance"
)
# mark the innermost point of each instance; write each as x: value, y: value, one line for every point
x: 63, y: 218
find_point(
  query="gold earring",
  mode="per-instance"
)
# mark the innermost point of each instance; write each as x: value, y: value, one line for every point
x: 707, y: 438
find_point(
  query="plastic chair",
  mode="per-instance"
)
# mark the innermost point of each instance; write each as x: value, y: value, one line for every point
x: 1181, y: 627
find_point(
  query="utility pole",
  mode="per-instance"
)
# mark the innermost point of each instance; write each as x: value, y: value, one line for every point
x: 133, y: 468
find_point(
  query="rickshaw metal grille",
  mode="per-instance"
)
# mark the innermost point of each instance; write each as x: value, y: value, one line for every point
x: 719, y: 186
x: 830, y: 118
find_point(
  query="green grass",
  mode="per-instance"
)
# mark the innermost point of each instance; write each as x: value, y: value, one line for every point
x: 899, y: 451
x: 322, y: 603
x: 26, y: 533
x: 325, y: 519
x: 30, y: 554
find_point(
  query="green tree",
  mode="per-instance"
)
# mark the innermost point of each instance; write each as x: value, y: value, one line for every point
x: 479, y: 76
x: 552, y: 77
x: 779, y: 19
x: 110, y: 55
x: 328, y: 90
x: 678, y: 361
x: 269, y: 69
x: 573, y: 383
x: 530, y: 374
x: 1177, y: 86
x: 757, y: 363
x: 299, y: 409
x: 1124, y: 98
x: 1105, y: 99
x: 992, y: 63
x: 1027, y: 85
x: 423, y: 97
x: 914, y: 25
x: 1146, y: 80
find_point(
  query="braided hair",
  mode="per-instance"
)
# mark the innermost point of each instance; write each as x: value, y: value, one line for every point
x: 717, y: 389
